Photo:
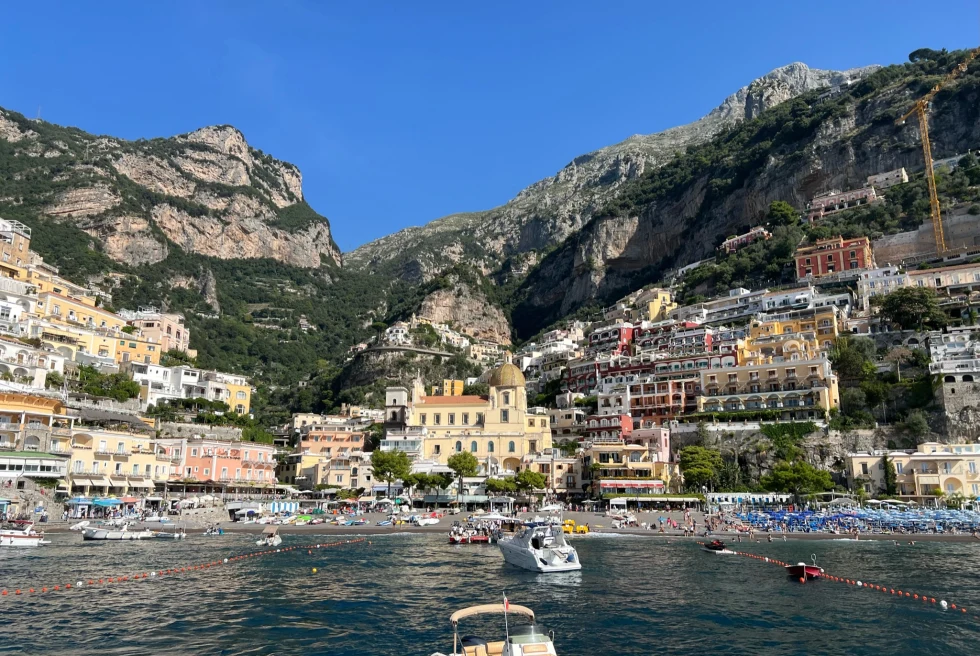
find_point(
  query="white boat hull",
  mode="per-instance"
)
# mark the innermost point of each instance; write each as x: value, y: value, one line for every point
x: 22, y: 541
x: 274, y: 541
x: 111, y: 534
x: 540, y: 560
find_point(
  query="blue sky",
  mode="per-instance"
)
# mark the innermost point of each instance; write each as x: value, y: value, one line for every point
x: 398, y: 113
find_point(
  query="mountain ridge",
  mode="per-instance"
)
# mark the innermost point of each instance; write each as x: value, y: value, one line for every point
x: 548, y: 211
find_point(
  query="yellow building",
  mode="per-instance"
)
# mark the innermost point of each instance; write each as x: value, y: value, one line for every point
x: 34, y: 423
x: 653, y: 305
x: 449, y: 387
x: 131, y: 348
x: 800, y: 389
x: 15, y: 245
x: 498, y: 428
x: 77, y: 310
x: 821, y: 326
x: 931, y: 470
x: 108, y: 461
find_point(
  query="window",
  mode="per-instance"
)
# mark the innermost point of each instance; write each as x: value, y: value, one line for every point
x: 473, y: 446
x: 506, y: 398
x: 466, y: 418
x: 898, y: 468
x: 118, y: 467
x: 436, y: 449
x: 511, y: 447
x: 505, y: 416
x: 459, y: 446
x: 452, y: 418
x: 422, y: 418
x: 864, y: 468
x: 240, y: 395
x: 136, y: 470
x: 489, y: 447
x: 437, y: 419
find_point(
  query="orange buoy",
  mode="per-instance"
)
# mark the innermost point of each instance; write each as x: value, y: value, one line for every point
x: 802, y: 579
x: 16, y: 592
x: 42, y: 590
x: 30, y: 589
x: 916, y: 596
x: 55, y: 588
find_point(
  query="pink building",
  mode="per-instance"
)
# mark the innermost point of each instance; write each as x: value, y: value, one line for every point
x: 732, y: 244
x: 838, y: 201
x: 330, y: 440
x: 232, y: 464
x: 655, y: 439
x: 608, y: 428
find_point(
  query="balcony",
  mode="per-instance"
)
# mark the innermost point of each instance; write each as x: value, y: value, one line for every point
x: 103, y: 451
x: 163, y: 457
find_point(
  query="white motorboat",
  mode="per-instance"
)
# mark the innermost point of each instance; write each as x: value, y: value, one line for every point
x: 79, y: 526
x: 176, y: 534
x: 113, y: 533
x: 21, y: 533
x: 270, y: 537
x: 422, y: 520
x: 540, y: 549
x: 520, y: 640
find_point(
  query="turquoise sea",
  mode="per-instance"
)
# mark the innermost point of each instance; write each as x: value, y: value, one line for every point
x: 636, y: 595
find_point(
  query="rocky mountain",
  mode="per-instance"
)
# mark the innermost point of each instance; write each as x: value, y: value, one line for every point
x: 510, y: 239
x: 810, y: 144
x: 206, y: 192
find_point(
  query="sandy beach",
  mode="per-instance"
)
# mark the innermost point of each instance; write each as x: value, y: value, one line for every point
x: 598, y: 524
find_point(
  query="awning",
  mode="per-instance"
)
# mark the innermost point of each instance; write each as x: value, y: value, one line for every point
x: 80, y: 501
x: 630, y: 483
x: 105, y: 503
x: 62, y: 484
x: 143, y: 484
x: 128, y: 500
x: 154, y: 498
x: 91, y: 481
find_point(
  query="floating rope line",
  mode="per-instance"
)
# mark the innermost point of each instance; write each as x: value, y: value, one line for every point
x: 905, y: 594
x: 156, y: 574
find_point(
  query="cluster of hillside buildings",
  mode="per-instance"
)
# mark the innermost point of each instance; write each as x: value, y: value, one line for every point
x: 51, y: 325
x: 400, y: 334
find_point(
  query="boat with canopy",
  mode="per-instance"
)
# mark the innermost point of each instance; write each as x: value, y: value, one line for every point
x: 525, y: 639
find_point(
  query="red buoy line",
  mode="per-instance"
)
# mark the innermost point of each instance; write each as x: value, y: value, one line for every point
x: 904, y: 594
x: 139, y: 576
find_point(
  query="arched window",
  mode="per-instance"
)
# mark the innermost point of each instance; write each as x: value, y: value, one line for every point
x: 506, y: 398
x: 473, y: 446
x: 394, y: 416
x: 511, y: 447
x: 967, y: 378
x: 490, y: 447
x: 459, y: 446
x: 949, y: 379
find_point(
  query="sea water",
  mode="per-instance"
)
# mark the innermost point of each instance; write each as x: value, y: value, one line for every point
x: 394, y: 597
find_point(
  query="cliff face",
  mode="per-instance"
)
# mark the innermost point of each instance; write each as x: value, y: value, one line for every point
x: 805, y: 147
x: 468, y: 311
x: 548, y: 212
x: 208, y: 192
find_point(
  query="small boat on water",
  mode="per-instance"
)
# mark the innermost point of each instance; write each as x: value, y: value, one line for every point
x: 521, y: 640
x: 270, y: 537
x: 540, y: 549
x: 125, y: 532
x: 214, y: 529
x: 802, y: 571
x: 468, y: 534
x: 21, y: 533
x: 717, y: 546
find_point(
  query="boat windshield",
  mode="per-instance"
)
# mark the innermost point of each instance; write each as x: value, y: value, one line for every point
x: 529, y: 633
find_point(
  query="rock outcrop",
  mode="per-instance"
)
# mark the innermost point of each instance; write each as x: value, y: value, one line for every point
x: 208, y: 192
x: 468, y: 311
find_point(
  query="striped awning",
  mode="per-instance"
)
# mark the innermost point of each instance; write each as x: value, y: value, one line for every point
x: 91, y: 481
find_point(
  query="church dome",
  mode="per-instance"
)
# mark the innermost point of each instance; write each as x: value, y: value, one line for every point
x: 506, y: 375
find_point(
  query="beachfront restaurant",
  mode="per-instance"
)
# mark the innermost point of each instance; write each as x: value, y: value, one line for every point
x: 630, y: 487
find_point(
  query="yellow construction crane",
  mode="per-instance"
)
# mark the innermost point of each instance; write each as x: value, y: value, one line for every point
x: 920, y: 108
